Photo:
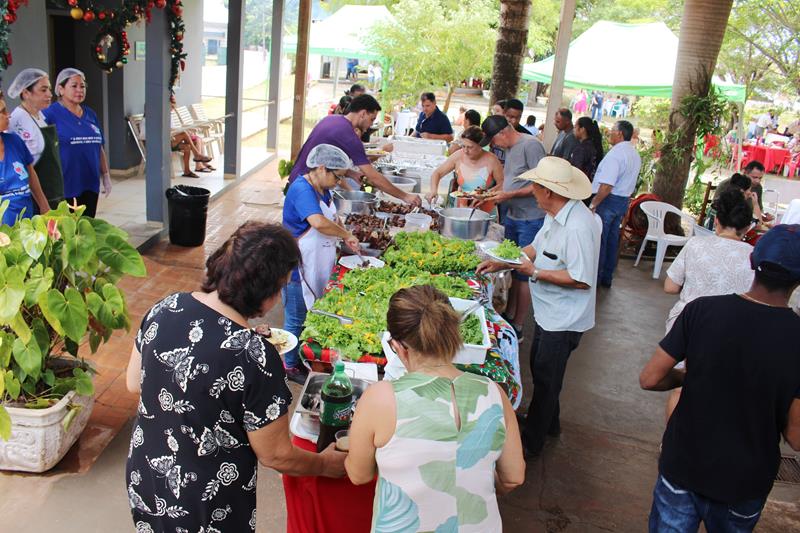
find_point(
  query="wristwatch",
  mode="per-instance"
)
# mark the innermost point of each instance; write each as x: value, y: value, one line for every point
x: 535, y: 276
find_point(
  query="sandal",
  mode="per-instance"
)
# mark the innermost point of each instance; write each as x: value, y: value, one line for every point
x: 189, y: 175
x: 204, y: 159
x: 203, y: 170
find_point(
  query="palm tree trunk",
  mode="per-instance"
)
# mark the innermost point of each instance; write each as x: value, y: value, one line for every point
x: 512, y: 43
x: 702, y: 29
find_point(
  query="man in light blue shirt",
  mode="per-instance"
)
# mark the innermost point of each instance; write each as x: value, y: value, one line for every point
x: 613, y: 185
x: 563, y: 278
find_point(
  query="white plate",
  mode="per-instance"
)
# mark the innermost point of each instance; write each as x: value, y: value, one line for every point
x: 289, y: 344
x: 353, y: 261
x: 490, y: 252
x: 298, y: 429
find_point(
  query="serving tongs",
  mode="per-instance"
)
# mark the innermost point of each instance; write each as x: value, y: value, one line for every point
x: 465, y: 313
x: 343, y: 320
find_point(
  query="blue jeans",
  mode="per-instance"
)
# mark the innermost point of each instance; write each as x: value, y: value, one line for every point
x: 612, y: 210
x: 522, y: 233
x: 679, y: 510
x: 294, y: 315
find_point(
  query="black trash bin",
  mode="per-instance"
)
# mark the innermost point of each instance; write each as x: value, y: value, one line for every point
x: 187, y: 208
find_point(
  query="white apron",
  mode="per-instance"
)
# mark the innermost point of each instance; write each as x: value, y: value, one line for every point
x: 319, y: 256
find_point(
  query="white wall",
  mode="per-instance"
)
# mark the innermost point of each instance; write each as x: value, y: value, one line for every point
x: 28, y: 43
x: 192, y: 78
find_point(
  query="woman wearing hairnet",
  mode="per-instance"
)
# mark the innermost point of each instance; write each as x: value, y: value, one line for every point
x: 18, y: 182
x: 310, y: 216
x: 32, y: 87
x: 83, y: 159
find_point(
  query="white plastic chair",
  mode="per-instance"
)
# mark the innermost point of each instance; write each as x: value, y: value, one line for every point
x: 656, y: 211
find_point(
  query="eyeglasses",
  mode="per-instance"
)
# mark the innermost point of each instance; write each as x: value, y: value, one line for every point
x: 338, y: 177
x: 389, y: 342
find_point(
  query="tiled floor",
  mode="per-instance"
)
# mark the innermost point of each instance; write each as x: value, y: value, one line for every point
x: 125, y: 206
x: 169, y: 269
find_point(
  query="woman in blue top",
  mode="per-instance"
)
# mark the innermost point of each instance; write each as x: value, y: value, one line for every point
x: 83, y: 158
x: 18, y: 181
x: 310, y: 216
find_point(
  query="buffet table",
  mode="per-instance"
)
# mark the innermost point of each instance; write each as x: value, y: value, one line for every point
x: 311, y: 502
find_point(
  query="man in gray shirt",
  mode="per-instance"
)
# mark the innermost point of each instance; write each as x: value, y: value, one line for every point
x: 523, y: 217
x: 565, y: 142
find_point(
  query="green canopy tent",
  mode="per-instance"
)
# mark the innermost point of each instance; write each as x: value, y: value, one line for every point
x: 635, y: 59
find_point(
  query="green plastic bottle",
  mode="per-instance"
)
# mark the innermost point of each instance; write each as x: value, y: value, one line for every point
x: 336, y: 411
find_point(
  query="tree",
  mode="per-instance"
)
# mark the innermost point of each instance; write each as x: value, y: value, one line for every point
x: 512, y: 41
x: 772, y: 29
x: 431, y: 46
x: 631, y: 11
x: 702, y: 31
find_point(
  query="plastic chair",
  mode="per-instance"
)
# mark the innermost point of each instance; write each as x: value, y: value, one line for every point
x: 656, y: 212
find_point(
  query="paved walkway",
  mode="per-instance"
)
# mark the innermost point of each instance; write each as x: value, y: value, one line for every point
x: 597, y: 476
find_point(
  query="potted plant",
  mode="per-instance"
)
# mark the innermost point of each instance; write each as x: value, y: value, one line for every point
x: 58, y: 275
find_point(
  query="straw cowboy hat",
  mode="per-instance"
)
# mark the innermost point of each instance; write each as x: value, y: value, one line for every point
x: 560, y: 177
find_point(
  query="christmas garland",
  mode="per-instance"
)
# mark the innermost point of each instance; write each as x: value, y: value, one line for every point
x: 8, y: 15
x: 112, y: 36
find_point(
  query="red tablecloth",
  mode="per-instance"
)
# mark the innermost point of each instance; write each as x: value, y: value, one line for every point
x: 769, y: 156
x: 325, y: 505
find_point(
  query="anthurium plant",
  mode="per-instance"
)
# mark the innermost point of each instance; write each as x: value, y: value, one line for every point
x: 58, y: 276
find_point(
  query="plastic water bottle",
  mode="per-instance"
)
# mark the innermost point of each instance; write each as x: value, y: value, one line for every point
x: 336, y: 411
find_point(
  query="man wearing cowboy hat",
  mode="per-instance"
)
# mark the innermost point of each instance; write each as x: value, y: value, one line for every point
x: 563, y: 277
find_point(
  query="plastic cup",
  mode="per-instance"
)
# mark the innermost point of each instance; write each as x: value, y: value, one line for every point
x: 343, y: 440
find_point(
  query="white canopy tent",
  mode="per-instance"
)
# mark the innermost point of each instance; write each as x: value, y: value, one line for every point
x: 342, y: 34
x: 636, y: 59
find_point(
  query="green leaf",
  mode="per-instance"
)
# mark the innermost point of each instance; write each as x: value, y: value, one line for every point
x: 69, y: 315
x: 12, y: 385
x: 103, y: 229
x: 49, y: 377
x: 12, y: 293
x: 5, y: 418
x: 40, y: 279
x: 121, y: 256
x: 6, y: 342
x: 34, y: 239
x: 94, y: 340
x: 81, y: 247
x: 3, y: 206
x: 108, y: 309
x: 28, y: 357
x: 21, y: 328
x: 2, y: 383
x: 67, y: 422
x: 83, y: 382
x: 71, y: 346
x: 41, y: 335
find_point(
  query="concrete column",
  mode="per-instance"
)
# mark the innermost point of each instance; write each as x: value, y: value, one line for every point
x: 275, y: 55
x: 301, y: 72
x: 559, y: 67
x: 233, y: 90
x: 158, y: 171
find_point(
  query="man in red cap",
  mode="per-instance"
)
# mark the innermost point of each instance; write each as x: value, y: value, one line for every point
x: 720, y: 451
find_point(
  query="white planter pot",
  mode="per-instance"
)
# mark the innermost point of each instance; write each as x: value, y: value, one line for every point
x: 38, y: 439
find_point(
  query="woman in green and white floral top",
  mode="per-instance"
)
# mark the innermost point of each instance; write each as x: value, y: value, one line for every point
x: 443, y: 442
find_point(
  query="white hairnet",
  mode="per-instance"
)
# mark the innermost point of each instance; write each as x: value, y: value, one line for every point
x: 66, y: 74
x: 328, y: 156
x: 25, y: 79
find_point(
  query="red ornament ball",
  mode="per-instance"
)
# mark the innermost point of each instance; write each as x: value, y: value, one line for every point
x: 160, y: 4
x: 72, y: 3
x: 101, y: 15
x: 88, y: 16
x: 10, y: 17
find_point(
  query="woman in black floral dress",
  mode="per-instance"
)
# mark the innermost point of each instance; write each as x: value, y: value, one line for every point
x: 214, y: 396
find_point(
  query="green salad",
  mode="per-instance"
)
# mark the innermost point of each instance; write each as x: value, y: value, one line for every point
x: 430, y: 252
x: 365, y: 299
x: 471, y: 331
x: 507, y: 250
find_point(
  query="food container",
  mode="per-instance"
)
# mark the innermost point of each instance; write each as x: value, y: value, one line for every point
x: 469, y: 354
x: 462, y: 223
x: 418, y: 222
x: 347, y: 202
x: 308, y: 406
x: 404, y: 184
